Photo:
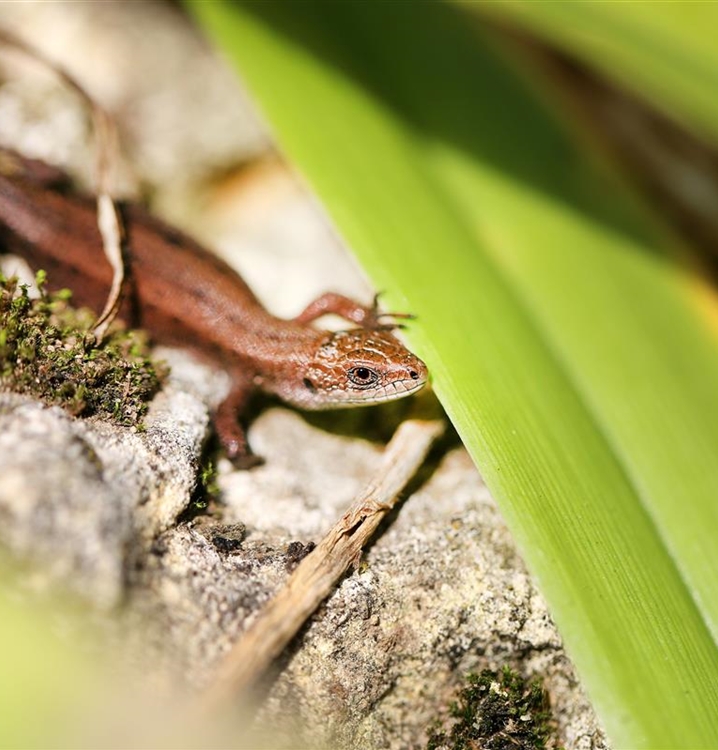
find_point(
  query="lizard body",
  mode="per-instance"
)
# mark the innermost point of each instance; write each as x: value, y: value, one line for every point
x: 184, y: 295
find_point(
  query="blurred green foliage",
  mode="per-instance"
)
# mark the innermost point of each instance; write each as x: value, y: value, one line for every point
x: 45, y: 678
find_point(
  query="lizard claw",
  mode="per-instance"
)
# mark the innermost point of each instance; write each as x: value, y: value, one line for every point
x: 244, y: 461
x: 373, y: 318
x: 386, y: 326
x: 401, y: 316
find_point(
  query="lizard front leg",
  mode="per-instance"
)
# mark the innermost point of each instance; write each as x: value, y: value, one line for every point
x: 347, y: 308
x: 230, y: 432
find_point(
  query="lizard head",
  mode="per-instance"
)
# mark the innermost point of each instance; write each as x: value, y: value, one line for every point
x: 359, y: 367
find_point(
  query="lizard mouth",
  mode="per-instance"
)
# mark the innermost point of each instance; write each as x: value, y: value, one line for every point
x: 389, y: 392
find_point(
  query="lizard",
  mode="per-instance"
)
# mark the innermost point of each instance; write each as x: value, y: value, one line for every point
x: 184, y: 295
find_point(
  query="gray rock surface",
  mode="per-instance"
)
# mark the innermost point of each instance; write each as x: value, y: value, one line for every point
x: 440, y: 593
x: 83, y: 497
x: 72, y: 521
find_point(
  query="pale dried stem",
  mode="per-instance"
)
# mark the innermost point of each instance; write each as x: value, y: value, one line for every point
x: 317, y: 574
x: 108, y: 218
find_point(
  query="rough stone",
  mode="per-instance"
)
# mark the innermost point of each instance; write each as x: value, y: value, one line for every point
x: 84, y: 497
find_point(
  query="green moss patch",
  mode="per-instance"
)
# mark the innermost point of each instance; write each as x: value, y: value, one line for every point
x: 47, y: 351
x: 497, y: 711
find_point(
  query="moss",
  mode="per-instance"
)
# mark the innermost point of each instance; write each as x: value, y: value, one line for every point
x: 208, y: 480
x: 205, y: 498
x: 46, y: 351
x: 207, y: 487
x: 497, y: 711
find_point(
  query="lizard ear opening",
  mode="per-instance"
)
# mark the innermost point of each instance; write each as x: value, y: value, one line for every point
x: 309, y: 385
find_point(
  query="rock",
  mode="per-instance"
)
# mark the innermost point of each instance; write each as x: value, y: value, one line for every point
x: 441, y: 592
x: 55, y: 506
x: 85, y: 497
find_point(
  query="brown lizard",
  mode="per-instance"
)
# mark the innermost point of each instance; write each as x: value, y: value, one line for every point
x: 184, y: 295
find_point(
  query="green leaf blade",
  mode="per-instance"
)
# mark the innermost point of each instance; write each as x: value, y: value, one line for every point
x: 541, y: 295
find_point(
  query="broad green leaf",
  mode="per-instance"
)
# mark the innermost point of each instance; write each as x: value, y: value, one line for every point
x: 575, y: 354
x: 665, y: 51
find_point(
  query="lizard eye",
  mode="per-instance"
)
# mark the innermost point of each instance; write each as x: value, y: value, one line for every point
x: 363, y: 376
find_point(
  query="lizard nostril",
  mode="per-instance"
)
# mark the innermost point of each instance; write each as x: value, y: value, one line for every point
x: 413, y: 374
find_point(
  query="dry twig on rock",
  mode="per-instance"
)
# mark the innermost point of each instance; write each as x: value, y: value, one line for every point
x: 317, y: 574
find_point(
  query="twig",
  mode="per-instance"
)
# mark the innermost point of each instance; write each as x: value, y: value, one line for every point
x: 317, y: 574
x: 108, y: 218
